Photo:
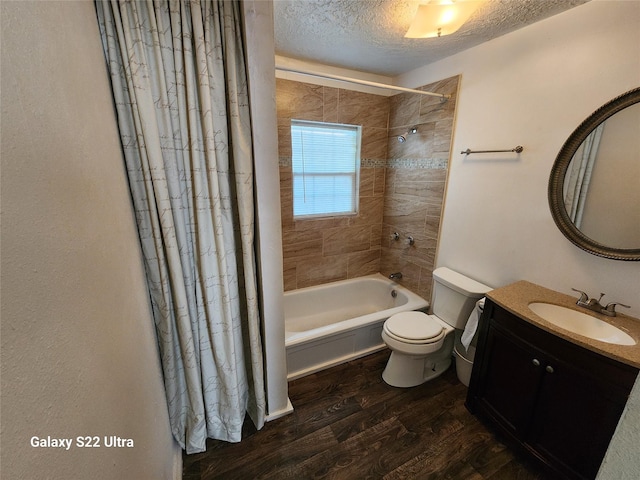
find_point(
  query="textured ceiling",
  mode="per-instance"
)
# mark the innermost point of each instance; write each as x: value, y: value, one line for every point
x: 368, y: 35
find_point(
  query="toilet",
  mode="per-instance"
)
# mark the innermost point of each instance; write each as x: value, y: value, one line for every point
x: 422, y: 345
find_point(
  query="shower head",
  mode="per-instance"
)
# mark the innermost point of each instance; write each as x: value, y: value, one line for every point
x: 403, y: 138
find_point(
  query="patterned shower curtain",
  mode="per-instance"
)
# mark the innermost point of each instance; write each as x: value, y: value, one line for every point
x: 578, y: 176
x: 180, y: 88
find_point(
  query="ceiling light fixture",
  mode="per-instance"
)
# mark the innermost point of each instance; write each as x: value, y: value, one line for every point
x: 441, y: 17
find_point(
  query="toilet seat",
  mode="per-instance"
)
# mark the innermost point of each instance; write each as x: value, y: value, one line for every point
x: 415, y: 328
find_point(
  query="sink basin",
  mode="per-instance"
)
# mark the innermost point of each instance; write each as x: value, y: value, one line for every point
x: 581, y: 323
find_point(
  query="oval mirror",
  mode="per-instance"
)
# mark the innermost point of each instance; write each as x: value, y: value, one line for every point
x: 594, y: 187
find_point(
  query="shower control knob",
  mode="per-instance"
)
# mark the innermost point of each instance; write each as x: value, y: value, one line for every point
x: 536, y: 362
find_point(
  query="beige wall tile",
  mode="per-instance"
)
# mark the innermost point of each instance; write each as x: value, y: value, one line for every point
x: 364, y: 109
x: 320, y: 224
x: 442, y: 137
x: 346, y: 240
x: 376, y: 236
x: 422, y: 252
x: 390, y: 180
x: 285, y: 177
x: 286, y: 209
x: 289, y: 275
x: 370, y: 212
x: 374, y: 143
x: 404, y: 110
x: 284, y: 140
x: 379, y: 181
x: 301, y: 244
x: 367, y: 179
x: 431, y: 192
x: 393, y: 261
x: 432, y: 223
x: 302, y: 101
x: 363, y: 263
x: 319, y: 270
x: 418, y: 145
x: 405, y: 213
x: 425, y: 287
x: 330, y: 107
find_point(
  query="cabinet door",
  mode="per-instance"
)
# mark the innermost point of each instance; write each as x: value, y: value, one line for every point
x: 557, y: 400
x: 573, y: 419
x: 510, y: 381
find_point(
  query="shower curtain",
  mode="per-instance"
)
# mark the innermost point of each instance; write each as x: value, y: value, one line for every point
x: 578, y: 176
x: 180, y: 89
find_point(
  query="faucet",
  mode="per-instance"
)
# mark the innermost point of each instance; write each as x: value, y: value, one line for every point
x: 595, y: 305
x: 396, y: 276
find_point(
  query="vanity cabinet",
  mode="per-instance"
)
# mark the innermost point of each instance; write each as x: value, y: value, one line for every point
x: 556, y: 400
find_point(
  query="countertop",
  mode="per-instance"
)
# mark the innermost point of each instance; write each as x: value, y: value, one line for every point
x: 517, y: 296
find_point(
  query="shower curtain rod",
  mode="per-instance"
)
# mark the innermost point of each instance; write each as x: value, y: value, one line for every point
x: 442, y: 96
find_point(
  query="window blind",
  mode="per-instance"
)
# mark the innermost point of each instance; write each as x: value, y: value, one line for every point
x: 326, y: 166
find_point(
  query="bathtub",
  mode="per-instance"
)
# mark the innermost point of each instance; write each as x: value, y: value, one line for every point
x: 337, y: 322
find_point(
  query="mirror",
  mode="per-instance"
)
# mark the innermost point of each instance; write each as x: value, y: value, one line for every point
x: 594, y: 187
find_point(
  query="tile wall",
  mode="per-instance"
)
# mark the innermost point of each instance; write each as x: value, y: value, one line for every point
x: 415, y: 182
x: 401, y: 185
x: 318, y: 251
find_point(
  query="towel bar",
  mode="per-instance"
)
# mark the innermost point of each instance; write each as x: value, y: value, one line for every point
x: 518, y: 149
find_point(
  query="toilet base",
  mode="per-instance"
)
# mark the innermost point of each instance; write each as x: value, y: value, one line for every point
x: 409, y: 371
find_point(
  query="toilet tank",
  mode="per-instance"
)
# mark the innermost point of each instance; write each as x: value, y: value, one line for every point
x: 455, y: 296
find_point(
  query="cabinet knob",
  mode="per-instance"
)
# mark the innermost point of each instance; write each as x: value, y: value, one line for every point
x: 536, y: 362
x: 549, y: 369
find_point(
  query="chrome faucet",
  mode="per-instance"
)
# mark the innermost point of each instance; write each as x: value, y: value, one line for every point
x: 396, y: 276
x: 595, y: 305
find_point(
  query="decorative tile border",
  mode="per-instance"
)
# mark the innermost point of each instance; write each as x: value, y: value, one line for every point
x: 418, y: 163
x: 373, y: 162
x: 284, y: 161
x: 408, y: 163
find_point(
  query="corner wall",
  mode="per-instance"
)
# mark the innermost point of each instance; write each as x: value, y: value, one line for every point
x: 79, y: 355
x: 533, y: 87
x: 415, y: 183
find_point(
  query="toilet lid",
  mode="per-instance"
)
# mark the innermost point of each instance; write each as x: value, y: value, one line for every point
x: 413, y: 327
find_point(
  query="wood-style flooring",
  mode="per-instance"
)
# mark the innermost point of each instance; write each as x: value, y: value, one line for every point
x: 348, y: 424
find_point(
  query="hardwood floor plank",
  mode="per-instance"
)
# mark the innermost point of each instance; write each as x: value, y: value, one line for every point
x: 348, y: 424
x: 368, y: 453
x: 261, y: 463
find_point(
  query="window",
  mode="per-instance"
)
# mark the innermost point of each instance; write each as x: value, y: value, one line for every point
x: 326, y: 167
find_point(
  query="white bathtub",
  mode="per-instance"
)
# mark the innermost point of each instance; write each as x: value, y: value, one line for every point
x: 336, y: 322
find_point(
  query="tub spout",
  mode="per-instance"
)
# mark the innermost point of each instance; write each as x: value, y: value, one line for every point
x: 396, y: 276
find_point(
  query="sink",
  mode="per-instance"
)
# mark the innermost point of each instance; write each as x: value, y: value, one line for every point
x: 581, y: 323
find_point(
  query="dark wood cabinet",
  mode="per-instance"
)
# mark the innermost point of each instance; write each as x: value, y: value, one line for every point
x: 556, y: 400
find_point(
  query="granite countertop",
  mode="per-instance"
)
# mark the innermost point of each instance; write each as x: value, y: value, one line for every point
x: 516, y: 297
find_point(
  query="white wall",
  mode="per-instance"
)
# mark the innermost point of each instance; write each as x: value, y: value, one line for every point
x: 621, y: 461
x: 78, y: 355
x: 533, y: 87
x: 258, y: 18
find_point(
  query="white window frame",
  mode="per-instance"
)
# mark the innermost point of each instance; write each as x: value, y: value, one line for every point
x: 310, y: 167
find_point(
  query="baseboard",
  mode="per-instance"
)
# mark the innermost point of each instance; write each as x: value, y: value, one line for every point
x: 280, y: 413
x: 177, y: 461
